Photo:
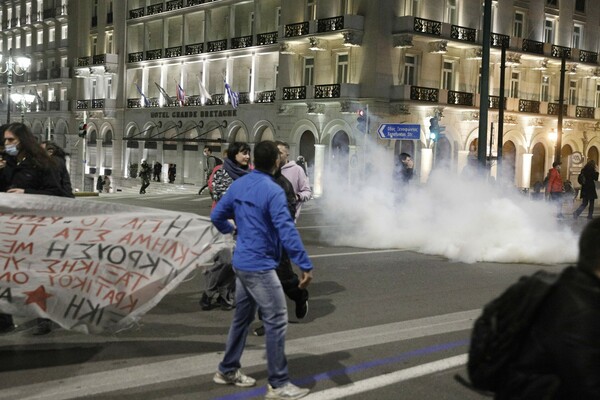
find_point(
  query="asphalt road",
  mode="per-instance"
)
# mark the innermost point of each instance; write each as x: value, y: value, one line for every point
x: 382, y: 324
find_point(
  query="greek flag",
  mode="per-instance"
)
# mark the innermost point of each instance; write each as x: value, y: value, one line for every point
x: 233, y: 96
x: 164, y: 94
x: 180, y: 94
x: 146, y: 101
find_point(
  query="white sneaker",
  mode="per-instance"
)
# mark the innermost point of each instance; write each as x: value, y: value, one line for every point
x: 234, y: 378
x: 289, y: 391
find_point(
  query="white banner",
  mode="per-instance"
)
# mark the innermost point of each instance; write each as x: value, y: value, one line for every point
x: 92, y: 266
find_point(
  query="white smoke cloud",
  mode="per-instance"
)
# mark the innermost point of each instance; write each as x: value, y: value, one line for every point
x: 463, y: 219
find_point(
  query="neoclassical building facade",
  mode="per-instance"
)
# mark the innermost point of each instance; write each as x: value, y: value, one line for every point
x: 146, y: 79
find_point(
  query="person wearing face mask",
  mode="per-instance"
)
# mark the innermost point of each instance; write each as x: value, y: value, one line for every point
x: 26, y: 167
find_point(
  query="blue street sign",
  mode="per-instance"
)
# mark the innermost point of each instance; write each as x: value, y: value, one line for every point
x: 400, y: 131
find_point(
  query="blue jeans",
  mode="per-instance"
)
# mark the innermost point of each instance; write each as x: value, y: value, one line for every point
x: 260, y: 289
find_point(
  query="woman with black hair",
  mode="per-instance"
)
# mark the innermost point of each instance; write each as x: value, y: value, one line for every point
x: 60, y: 157
x: 220, y: 279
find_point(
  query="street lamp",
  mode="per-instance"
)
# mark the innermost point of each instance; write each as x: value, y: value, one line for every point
x: 23, y: 100
x: 22, y: 64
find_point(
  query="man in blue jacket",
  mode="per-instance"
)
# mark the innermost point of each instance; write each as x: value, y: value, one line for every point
x: 263, y: 225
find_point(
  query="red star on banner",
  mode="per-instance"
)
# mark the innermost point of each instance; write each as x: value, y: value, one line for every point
x: 38, y: 296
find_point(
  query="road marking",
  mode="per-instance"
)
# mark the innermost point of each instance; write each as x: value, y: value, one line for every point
x: 205, y: 364
x: 392, y: 378
x: 354, y: 253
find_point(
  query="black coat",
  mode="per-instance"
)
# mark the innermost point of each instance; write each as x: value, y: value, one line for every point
x: 33, y: 179
x: 561, y: 356
x: 588, y: 189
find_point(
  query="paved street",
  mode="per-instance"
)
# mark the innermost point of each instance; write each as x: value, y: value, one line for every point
x: 382, y: 324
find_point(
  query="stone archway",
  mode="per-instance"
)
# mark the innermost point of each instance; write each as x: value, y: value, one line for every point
x: 339, y: 155
x: 509, y: 158
x: 443, y: 153
x: 538, y: 167
x: 307, y: 150
x: 565, y: 154
x: 592, y: 154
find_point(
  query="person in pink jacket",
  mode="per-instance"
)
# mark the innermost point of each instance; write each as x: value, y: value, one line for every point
x: 555, y: 187
x: 296, y: 175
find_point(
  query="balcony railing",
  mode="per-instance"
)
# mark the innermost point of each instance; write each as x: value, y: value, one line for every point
x: 529, y: 106
x: 330, y: 24
x: 294, y: 93
x: 137, y: 13
x: 327, y: 91
x: 241, y: 42
x: 244, y: 98
x: 588, y: 57
x: 54, y: 106
x: 424, y: 94
x: 532, y: 46
x: 463, y: 34
x: 98, y: 103
x: 173, y: 52
x: 154, y: 54
x: 266, y: 38
x: 174, y: 5
x: 267, y: 96
x: 196, y: 48
x: 83, y: 62
x: 99, y: 59
x: 83, y: 104
x: 134, y: 103
x: 553, y: 109
x: 431, y: 27
x: 498, y: 40
x: 298, y: 29
x: 155, y: 9
x: 195, y: 2
x: 193, y: 101
x: 460, y: 98
x: 136, y: 57
x: 560, y: 51
x: 217, y: 45
x: 584, y: 112
x: 217, y: 100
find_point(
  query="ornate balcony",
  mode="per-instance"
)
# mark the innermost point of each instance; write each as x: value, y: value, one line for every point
x: 195, y: 2
x: 196, y: 48
x: 588, y: 57
x: 498, y: 40
x: 83, y: 62
x: 244, y: 98
x: 584, y: 112
x: 174, y: 5
x: 560, y: 51
x: 193, y: 101
x: 134, y: 103
x: 553, y: 109
x: 266, y: 38
x: 330, y: 24
x: 98, y: 103
x: 529, y: 106
x: 217, y: 100
x: 424, y: 94
x: 431, y: 27
x: 241, y: 42
x: 155, y: 9
x: 99, y: 59
x: 298, y: 29
x: 135, y: 57
x: 463, y: 34
x: 532, y: 46
x: 294, y: 93
x: 83, y: 104
x: 137, y: 13
x: 173, y: 52
x: 460, y: 98
x: 217, y: 45
x: 267, y: 96
x: 327, y: 91
x: 154, y: 54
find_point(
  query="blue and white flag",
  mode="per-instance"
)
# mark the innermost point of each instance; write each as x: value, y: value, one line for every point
x: 164, y: 94
x: 233, y: 96
x: 146, y: 101
x: 180, y: 94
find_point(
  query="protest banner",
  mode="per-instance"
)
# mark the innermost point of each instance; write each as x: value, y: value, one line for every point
x: 95, y: 267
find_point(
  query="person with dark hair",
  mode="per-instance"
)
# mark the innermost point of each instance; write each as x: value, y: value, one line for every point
x: 211, y: 163
x: 555, y: 187
x: 263, y: 225
x: 145, y: 175
x: 156, y: 171
x: 27, y: 168
x: 560, y: 356
x: 220, y: 278
x: 404, y: 169
x: 64, y: 179
x: 588, y: 189
x: 296, y: 175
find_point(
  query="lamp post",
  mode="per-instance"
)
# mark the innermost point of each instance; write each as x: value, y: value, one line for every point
x: 17, y: 66
x: 23, y: 100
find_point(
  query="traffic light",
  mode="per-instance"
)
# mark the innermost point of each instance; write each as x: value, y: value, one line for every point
x: 361, y: 121
x: 82, y: 129
x: 435, y: 130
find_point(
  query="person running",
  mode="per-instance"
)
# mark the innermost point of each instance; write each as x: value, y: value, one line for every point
x: 262, y: 224
x: 588, y: 189
x: 145, y: 175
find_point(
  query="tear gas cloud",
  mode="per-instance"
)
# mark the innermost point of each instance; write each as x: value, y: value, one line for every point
x: 463, y: 219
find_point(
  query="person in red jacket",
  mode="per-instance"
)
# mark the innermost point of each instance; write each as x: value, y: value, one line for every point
x: 555, y: 187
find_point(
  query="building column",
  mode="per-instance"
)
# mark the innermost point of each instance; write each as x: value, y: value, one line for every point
x: 426, y: 164
x: 526, y: 171
x: 319, y: 167
x: 180, y: 163
x: 462, y: 161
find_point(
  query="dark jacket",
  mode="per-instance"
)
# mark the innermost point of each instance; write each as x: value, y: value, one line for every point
x: 63, y: 177
x: 290, y: 194
x: 33, y: 179
x: 588, y: 189
x: 560, y: 359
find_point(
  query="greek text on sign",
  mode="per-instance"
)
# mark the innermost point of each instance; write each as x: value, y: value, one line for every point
x: 400, y: 131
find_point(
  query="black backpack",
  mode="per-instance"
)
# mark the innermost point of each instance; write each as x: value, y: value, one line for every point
x: 218, y: 161
x: 500, y: 331
x: 581, y: 178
